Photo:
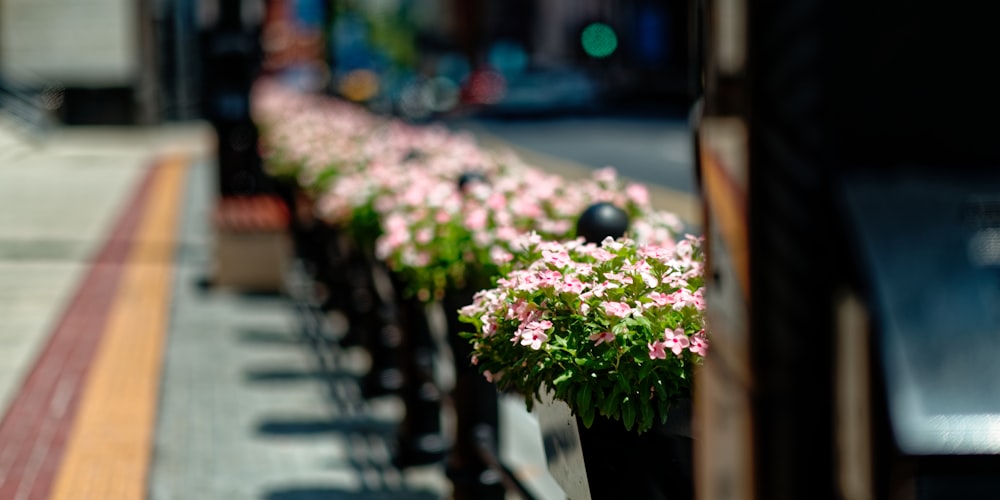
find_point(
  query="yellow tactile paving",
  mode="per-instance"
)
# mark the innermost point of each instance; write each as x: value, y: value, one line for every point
x: 107, y: 456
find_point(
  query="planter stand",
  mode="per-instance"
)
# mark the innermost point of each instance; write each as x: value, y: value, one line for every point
x: 476, y: 418
x: 421, y: 440
x: 608, y: 462
x: 563, y: 448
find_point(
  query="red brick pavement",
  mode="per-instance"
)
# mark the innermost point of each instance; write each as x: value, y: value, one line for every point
x: 34, y: 431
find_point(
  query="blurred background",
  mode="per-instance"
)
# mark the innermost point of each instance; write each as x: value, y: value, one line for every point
x: 127, y: 62
x: 597, y: 82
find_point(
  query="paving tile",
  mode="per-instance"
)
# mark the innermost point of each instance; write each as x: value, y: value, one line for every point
x: 242, y: 418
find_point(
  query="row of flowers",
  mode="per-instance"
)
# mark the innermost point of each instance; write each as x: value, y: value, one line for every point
x: 395, y: 186
x: 614, y: 328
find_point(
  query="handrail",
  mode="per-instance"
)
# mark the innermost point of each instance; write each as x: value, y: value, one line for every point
x: 30, y: 108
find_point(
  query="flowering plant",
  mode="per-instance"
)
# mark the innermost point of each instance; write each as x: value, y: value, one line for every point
x: 614, y: 329
x: 394, y: 188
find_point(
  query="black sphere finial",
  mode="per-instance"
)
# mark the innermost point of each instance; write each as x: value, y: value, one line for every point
x: 601, y: 220
x: 469, y: 177
x: 414, y: 154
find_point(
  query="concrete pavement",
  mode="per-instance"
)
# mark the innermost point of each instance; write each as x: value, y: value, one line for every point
x: 59, y: 195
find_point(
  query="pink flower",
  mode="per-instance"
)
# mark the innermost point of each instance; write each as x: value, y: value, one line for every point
x: 500, y: 256
x: 549, y: 278
x: 496, y: 201
x: 639, y: 267
x: 676, y: 340
x: 476, y: 220
x: 699, y: 299
x: 619, y: 277
x: 657, y: 350
x: 532, y: 332
x: 528, y: 210
x: 638, y: 194
x: 600, y: 338
x: 524, y: 311
x: 482, y: 238
x: 527, y: 283
x: 488, y: 327
x: 558, y: 259
x: 609, y: 242
x: 533, y: 338
x: 507, y: 233
x: 617, y: 309
x: 602, y: 255
x: 699, y: 343
x: 543, y: 325
x: 649, y: 279
x: 659, y: 298
x: 526, y: 241
x: 424, y: 236
x: 605, y: 174
x: 681, y: 299
x: 657, y: 252
x: 570, y: 285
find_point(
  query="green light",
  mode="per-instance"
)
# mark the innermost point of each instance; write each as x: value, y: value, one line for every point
x: 599, y: 40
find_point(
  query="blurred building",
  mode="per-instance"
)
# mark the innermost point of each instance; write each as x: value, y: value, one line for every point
x: 101, y: 55
x: 112, y: 61
x: 141, y: 61
x: 556, y: 50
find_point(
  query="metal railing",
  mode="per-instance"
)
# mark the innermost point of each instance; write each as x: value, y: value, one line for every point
x: 29, y: 102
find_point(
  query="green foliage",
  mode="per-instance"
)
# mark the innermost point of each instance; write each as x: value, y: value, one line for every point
x: 621, y: 378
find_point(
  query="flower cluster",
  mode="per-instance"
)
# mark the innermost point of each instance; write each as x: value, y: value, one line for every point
x: 395, y: 187
x: 614, y: 329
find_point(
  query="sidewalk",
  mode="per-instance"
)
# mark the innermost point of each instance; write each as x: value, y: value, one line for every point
x: 59, y: 196
x: 121, y: 378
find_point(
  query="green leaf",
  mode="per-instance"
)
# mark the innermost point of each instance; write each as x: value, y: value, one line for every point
x: 663, y: 406
x: 587, y: 415
x: 622, y: 382
x: 568, y: 374
x: 611, y: 401
x: 583, y: 396
x: 642, y: 320
x: 619, y: 328
x: 661, y: 390
x: 646, y: 408
x: 647, y: 368
x: 628, y: 413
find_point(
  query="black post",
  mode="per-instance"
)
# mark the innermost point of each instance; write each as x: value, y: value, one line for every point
x: 376, y: 305
x: 231, y: 57
x: 473, y: 474
x: 420, y: 440
x: 476, y: 415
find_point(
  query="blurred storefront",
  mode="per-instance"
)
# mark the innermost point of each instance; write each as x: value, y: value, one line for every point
x: 420, y: 58
x: 100, y: 55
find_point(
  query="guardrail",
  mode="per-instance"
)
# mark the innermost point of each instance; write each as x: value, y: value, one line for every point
x: 29, y: 107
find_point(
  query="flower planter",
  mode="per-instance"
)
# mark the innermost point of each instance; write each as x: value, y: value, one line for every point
x: 606, y: 461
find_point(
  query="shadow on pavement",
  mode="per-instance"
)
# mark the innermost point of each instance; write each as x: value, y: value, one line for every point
x: 284, y: 375
x: 267, y: 337
x: 364, y: 426
x: 335, y: 494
